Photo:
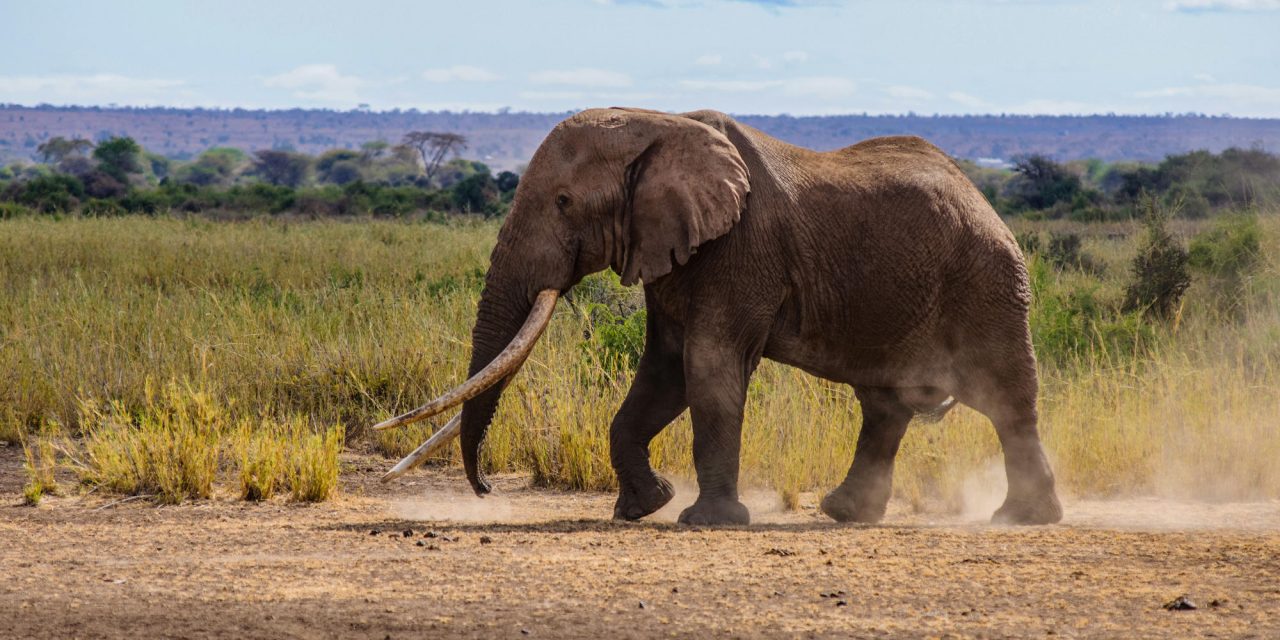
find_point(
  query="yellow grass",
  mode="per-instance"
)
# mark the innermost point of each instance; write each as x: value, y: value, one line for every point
x: 344, y: 323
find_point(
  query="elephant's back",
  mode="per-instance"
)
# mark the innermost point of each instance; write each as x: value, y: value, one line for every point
x: 897, y: 248
x: 912, y: 185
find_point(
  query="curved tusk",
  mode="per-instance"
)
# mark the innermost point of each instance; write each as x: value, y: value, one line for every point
x: 505, y: 364
x: 436, y: 442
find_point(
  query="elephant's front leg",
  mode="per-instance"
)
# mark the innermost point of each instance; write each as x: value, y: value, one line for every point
x: 657, y: 397
x: 864, y: 494
x: 717, y: 387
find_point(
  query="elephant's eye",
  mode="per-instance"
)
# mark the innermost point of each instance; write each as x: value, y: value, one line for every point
x: 563, y: 201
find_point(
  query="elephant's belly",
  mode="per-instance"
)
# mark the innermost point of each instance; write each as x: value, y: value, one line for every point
x: 919, y: 362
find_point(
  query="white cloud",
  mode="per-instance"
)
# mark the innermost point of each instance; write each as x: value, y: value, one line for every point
x: 584, y: 77
x: 318, y: 83
x: 762, y: 62
x: 546, y: 96
x: 1237, y: 99
x: 903, y: 92
x: 709, y: 60
x: 460, y: 73
x: 965, y: 99
x: 812, y: 86
x: 1202, y: 6
x: 1052, y: 107
x: 795, y: 56
x: 730, y: 86
x: 820, y: 87
x: 100, y: 88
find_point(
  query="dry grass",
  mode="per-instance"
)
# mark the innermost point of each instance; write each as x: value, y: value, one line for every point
x: 271, y: 328
x: 41, y: 463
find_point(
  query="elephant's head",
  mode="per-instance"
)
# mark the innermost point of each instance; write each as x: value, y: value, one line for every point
x: 637, y: 191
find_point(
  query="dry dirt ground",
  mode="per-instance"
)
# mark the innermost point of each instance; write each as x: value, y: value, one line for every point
x: 421, y: 558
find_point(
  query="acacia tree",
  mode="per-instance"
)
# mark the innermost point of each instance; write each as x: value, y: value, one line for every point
x: 433, y: 147
x: 56, y: 149
x: 281, y: 168
x: 118, y: 157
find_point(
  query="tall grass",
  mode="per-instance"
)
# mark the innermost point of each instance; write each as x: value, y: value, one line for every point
x: 334, y: 323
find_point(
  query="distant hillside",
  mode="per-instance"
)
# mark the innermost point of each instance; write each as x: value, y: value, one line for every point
x: 506, y: 140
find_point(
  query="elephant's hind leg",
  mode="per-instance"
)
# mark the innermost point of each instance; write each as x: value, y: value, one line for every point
x: 864, y: 494
x: 1006, y: 393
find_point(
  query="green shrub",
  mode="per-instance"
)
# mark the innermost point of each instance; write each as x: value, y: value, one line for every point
x: 1231, y: 249
x: 1075, y: 324
x: 1229, y: 254
x: 1160, y: 274
x: 615, y: 341
x: 14, y: 210
x: 54, y: 193
x: 615, y: 316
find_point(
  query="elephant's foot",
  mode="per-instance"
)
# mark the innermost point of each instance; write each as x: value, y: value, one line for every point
x: 639, y: 499
x: 847, y: 505
x: 1043, y: 509
x: 719, y: 511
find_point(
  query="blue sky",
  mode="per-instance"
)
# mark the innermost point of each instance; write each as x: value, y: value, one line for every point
x: 765, y: 56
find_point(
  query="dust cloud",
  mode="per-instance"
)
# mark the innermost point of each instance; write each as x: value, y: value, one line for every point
x: 984, y: 490
x: 460, y: 506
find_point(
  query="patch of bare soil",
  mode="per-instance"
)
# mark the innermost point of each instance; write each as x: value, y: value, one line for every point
x: 423, y: 558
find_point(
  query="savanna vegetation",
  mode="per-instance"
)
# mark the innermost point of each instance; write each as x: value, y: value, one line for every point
x: 118, y: 177
x: 174, y: 355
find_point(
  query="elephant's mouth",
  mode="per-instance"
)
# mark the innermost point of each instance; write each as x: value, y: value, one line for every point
x: 502, y: 366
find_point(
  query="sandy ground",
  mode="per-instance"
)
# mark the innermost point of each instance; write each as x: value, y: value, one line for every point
x: 422, y: 558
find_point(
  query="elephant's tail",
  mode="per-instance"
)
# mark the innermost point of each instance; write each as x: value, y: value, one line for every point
x: 935, y: 414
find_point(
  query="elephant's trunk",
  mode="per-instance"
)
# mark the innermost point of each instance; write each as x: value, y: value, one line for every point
x: 507, y: 328
x: 497, y: 319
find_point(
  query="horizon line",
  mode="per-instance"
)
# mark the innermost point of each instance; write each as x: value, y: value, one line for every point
x: 513, y: 111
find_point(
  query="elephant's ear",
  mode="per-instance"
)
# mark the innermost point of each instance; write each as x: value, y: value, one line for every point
x: 688, y: 186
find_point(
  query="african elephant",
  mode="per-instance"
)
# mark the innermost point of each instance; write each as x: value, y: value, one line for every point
x: 878, y: 265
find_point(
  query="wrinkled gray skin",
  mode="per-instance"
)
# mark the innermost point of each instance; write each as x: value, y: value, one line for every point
x: 878, y: 265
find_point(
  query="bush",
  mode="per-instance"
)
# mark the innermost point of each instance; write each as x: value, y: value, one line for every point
x: 1074, y: 325
x: 616, y: 341
x: 49, y: 194
x: 1160, y: 274
x: 14, y: 210
x: 1064, y: 253
x: 1229, y: 253
x: 1231, y: 249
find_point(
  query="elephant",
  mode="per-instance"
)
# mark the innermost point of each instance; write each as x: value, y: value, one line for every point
x: 878, y: 265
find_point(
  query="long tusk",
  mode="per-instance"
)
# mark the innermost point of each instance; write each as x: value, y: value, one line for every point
x: 502, y: 366
x: 436, y: 442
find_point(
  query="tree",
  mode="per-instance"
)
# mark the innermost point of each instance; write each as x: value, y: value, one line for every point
x: 56, y: 149
x: 118, y: 157
x: 433, y: 147
x: 508, y: 181
x: 476, y: 194
x: 339, y: 166
x: 214, y: 167
x: 374, y: 150
x: 1041, y: 183
x: 281, y: 168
